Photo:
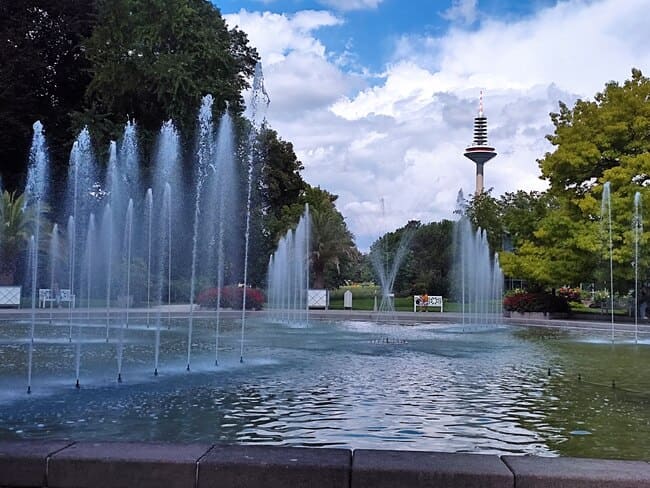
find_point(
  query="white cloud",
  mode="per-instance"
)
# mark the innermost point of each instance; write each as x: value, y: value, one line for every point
x: 463, y: 11
x: 347, y: 5
x: 402, y: 140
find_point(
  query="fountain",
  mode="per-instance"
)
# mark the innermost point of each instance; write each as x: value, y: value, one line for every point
x: 478, y: 276
x: 317, y: 385
x: 606, y: 224
x: 637, y: 229
x: 288, y: 276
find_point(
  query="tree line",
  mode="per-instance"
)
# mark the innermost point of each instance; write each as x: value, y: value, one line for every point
x: 99, y: 63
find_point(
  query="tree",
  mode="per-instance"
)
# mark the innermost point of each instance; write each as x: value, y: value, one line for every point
x: 484, y: 211
x: 44, y: 75
x: 153, y: 60
x: 599, y: 141
x: 332, y: 244
x: 281, y: 185
x: 16, y: 228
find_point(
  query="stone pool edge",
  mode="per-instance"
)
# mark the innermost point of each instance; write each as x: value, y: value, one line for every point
x: 67, y: 464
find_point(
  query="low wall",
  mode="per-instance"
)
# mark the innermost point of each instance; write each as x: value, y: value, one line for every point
x: 115, y: 464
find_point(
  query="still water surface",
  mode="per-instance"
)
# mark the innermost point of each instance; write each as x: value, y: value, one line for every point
x: 482, y: 389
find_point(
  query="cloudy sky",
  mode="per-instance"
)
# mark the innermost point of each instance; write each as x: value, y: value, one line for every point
x: 378, y: 96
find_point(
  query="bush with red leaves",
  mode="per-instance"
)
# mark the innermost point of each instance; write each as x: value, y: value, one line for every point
x: 231, y: 297
x: 535, y: 302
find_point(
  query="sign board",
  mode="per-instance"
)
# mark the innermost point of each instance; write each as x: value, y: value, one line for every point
x: 430, y: 301
x: 318, y: 299
x: 10, y: 296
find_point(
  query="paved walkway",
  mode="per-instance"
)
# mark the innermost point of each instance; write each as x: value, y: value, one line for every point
x: 597, y: 323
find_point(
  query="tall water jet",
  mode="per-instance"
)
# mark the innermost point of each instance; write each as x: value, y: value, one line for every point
x: 288, y: 275
x: 91, y: 245
x: 478, y: 275
x: 30, y: 354
x: 166, y: 178
x: 386, y: 264
x: 637, y: 230
x: 35, y: 194
x: 81, y: 178
x: 606, y: 222
x: 204, y: 156
x: 54, y: 252
x: 149, y: 220
x: 130, y: 161
x: 223, y: 183
x: 165, y: 237
x: 107, y: 240
x: 259, y: 99
x: 126, y: 287
x: 71, y: 232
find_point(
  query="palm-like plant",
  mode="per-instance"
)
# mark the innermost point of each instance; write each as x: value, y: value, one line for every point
x: 332, y: 242
x: 16, y: 226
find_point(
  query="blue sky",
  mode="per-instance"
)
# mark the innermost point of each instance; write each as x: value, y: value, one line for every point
x: 378, y: 100
x: 370, y: 33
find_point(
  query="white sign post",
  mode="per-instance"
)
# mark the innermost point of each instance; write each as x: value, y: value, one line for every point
x: 347, y: 300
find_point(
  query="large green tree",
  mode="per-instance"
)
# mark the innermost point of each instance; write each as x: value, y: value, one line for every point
x: 603, y: 140
x: 153, y: 60
x: 43, y: 77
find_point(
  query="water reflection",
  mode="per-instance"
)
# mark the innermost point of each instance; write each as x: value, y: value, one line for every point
x: 488, y: 391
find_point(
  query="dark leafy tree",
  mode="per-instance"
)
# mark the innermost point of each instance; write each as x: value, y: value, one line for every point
x: 43, y: 77
x: 153, y: 60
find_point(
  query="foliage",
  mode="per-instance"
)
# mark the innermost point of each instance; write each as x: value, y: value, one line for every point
x: 332, y: 244
x: 155, y: 59
x: 535, y: 302
x: 231, y: 297
x: 484, y: 211
x: 607, y: 139
x: 427, y: 264
x: 43, y: 77
x: 570, y: 294
x: 17, y: 224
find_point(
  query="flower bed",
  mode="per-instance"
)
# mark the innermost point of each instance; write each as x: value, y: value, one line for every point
x: 535, y: 302
x: 231, y: 297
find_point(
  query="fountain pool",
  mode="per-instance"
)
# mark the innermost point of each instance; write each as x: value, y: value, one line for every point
x: 481, y: 389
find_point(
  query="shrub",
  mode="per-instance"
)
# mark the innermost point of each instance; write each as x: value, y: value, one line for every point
x: 535, y: 302
x: 231, y: 297
x: 570, y: 294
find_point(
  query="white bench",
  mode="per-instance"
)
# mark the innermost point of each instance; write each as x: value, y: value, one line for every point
x: 66, y: 296
x: 45, y: 296
x: 433, y: 301
x: 10, y: 296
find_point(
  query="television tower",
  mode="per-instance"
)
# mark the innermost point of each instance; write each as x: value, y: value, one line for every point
x: 479, y: 151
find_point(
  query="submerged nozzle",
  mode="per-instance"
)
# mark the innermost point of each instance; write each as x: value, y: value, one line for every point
x: 155, y: 372
x: 29, y: 389
x: 77, y: 385
x: 188, y: 367
x: 241, y: 359
x: 119, y: 377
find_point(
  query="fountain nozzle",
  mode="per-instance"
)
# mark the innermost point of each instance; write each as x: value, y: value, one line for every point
x: 188, y: 367
x: 241, y: 359
x: 155, y: 372
x: 119, y: 377
x: 29, y: 390
x: 77, y: 385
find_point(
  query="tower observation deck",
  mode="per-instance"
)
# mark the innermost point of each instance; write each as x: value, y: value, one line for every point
x: 479, y: 151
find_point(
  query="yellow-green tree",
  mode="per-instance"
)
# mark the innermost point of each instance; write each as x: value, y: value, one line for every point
x: 607, y: 139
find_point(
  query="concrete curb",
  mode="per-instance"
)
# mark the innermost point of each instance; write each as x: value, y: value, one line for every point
x: 118, y: 464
